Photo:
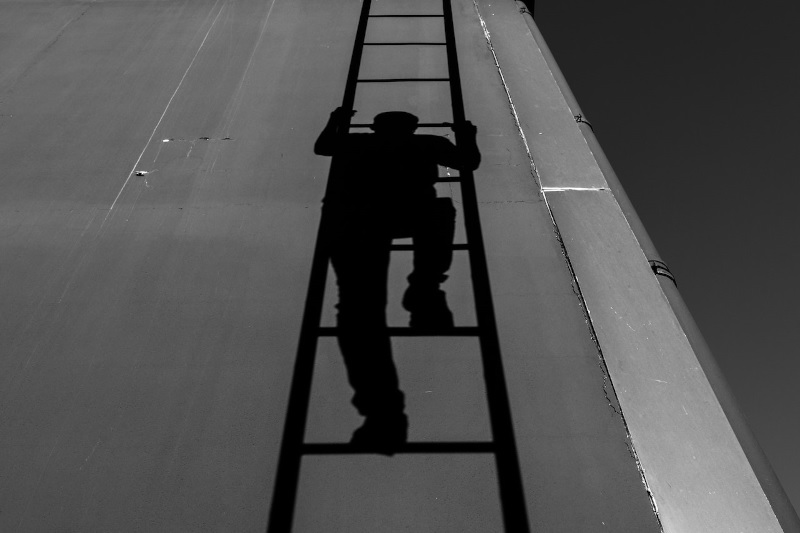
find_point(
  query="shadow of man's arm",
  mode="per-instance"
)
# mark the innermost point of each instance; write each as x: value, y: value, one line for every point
x: 465, y: 155
x: 329, y: 138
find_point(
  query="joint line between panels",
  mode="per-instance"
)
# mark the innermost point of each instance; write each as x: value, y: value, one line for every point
x: 161, y: 118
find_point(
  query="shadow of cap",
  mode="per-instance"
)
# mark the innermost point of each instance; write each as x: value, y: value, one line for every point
x: 394, y: 122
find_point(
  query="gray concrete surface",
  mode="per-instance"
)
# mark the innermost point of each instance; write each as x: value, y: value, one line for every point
x: 150, y: 323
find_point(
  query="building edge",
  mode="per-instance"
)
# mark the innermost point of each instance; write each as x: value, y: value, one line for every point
x: 773, y: 491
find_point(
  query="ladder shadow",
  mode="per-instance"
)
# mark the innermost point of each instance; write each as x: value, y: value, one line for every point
x: 361, y: 216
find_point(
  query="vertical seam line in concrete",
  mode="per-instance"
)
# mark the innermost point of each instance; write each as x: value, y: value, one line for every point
x: 40, y: 54
x: 576, y: 284
x: 513, y: 109
x: 237, y: 95
x: 607, y: 380
x: 163, y: 114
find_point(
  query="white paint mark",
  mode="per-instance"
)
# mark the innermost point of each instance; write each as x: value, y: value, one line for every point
x: 660, y: 381
x: 114, y: 203
x: 90, y: 455
x: 563, y: 189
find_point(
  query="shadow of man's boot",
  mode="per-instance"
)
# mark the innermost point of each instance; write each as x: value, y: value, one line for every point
x: 383, y: 434
x: 372, y: 374
x: 427, y: 304
x: 433, y: 254
x: 385, y: 428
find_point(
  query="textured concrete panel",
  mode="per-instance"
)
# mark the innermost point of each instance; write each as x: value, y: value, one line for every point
x: 380, y: 62
x: 405, y: 30
x: 147, y: 349
x: 700, y: 478
x: 554, y: 139
x: 570, y: 439
x: 411, y: 493
x: 159, y: 205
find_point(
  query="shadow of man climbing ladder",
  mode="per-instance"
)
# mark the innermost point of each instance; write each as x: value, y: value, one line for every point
x: 380, y: 188
x: 366, y: 211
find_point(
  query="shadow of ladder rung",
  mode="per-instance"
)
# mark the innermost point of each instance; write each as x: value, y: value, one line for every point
x: 502, y: 446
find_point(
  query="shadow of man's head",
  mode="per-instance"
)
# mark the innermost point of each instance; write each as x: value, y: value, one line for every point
x: 394, y: 123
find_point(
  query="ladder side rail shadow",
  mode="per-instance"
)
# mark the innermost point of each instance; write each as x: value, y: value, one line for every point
x: 287, y: 476
x: 512, y: 496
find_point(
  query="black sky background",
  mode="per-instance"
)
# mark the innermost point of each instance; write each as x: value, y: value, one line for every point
x: 695, y: 105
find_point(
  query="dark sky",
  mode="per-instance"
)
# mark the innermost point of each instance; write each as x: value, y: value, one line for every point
x: 695, y: 105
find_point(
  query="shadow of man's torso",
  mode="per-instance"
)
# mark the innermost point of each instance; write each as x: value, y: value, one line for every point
x: 386, y: 178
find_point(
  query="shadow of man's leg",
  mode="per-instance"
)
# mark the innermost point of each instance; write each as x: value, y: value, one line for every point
x: 433, y: 232
x: 360, y: 260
